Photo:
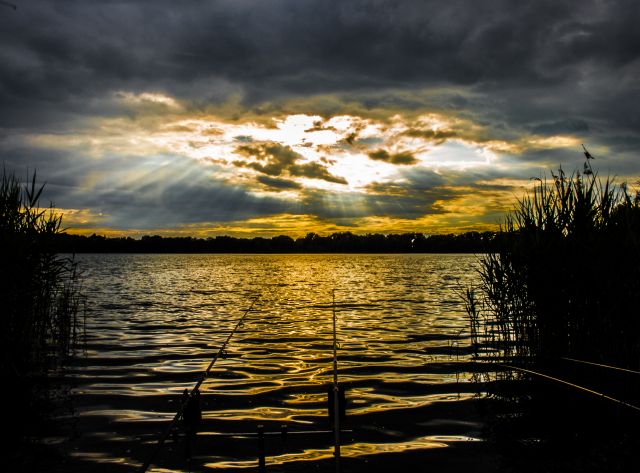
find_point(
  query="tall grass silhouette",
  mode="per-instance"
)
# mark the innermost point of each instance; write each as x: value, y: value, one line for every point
x: 39, y: 299
x: 563, y: 284
x: 564, y: 280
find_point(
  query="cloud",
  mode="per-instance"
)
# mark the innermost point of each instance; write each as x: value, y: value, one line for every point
x: 544, y: 67
x: 315, y: 170
x: 274, y: 159
x: 401, y: 158
x: 568, y: 125
x: 437, y: 136
x: 130, y: 110
x: 278, y: 184
x: 57, y: 58
x: 150, y: 192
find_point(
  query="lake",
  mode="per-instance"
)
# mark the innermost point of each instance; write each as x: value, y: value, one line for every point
x: 154, y: 322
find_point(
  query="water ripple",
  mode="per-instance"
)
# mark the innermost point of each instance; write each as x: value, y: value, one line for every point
x: 155, y: 321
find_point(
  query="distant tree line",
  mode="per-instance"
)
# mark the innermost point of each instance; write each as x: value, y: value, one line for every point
x: 343, y: 242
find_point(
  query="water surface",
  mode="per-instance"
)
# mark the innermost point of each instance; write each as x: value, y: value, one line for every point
x: 155, y: 321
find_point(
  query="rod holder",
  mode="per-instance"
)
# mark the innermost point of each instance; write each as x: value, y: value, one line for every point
x: 342, y: 402
x: 261, y: 458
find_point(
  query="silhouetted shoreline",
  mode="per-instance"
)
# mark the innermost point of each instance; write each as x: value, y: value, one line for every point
x: 344, y: 242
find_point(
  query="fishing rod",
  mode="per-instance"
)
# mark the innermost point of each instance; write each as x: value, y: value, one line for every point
x: 221, y: 351
x: 573, y: 385
x: 561, y: 381
x: 204, y: 376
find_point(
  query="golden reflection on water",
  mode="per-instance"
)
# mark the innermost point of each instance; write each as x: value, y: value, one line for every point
x: 155, y: 321
x: 351, y: 450
x: 265, y: 414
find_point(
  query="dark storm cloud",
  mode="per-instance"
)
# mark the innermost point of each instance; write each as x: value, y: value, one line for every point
x: 58, y: 56
x: 560, y: 127
x: 512, y: 68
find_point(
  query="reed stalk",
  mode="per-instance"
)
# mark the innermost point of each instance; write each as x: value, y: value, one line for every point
x: 40, y: 299
x: 564, y: 280
x: 563, y: 283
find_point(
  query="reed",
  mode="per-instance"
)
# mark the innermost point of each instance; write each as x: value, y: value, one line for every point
x: 564, y: 280
x: 40, y: 302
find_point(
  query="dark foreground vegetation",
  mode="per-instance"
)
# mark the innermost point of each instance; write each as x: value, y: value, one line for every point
x: 40, y: 301
x: 344, y: 242
x: 560, y: 297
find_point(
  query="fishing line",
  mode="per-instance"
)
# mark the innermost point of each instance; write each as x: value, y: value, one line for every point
x: 617, y: 368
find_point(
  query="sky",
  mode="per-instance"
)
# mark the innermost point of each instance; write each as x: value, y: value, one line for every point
x: 267, y: 117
